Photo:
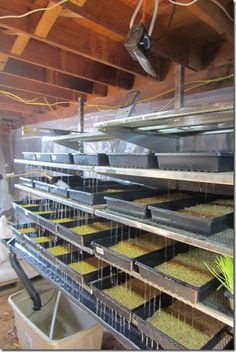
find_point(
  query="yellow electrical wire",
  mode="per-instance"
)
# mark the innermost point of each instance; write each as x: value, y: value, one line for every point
x: 101, y: 107
x: 33, y: 11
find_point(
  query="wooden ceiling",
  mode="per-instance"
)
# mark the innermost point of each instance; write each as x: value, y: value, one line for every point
x: 76, y: 49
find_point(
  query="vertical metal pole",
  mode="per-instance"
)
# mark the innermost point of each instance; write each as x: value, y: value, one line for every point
x: 179, y: 87
x: 81, y: 121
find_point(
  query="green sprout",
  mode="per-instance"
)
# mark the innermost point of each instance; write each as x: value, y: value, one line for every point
x: 224, y: 272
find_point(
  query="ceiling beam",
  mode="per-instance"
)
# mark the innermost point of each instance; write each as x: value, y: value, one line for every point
x: 171, y: 46
x: 214, y: 17
x: 61, y: 60
x: 41, y: 88
x: 54, y: 78
x: 72, y: 36
x: 7, y: 104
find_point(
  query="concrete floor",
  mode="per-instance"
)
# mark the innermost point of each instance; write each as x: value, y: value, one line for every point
x: 8, y: 335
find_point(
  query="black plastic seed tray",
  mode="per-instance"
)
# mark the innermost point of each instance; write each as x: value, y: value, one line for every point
x: 95, y: 195
x: 212, y: 162
x: 146, y: 267
x: 133, y: 160
x: 29, y: 156
x: 105, y: 283
x: 97, y: 159
x: 46, y: 157
x: 64, y: 158
x: 103, y: 250
x: 166, y: 342
x: 84, y: 240
x: 127, y: 206
x: 32, y: 235
x: 200, y: 225
x: 84, y: 278
x: 34, y: 207
x: 42, y: 185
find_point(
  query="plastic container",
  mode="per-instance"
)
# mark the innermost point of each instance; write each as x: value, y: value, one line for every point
x: 141, y: 161
x: 74, y: 329
x: 65, y: 158
x: 46, y: 157
x: 29, y: 156
x: 212, y: 162
x: 91, y: 159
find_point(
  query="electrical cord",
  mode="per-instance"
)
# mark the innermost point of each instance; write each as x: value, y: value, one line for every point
x: 33, y: 11
x: 167, y: 27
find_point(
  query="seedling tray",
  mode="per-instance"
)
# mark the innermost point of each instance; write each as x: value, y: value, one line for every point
x: 42, y: 185
x: 46, y: 157
x: 124, y: 262
x: 181, y: 288
x: 141, y: 161
x: 83, y: 278
x: 98, y: 287
x: 213, y: 162
x: 84, y: 240
x: 35, y: 207
x: 91, y: 159
x: 29, y: 237
x: 65, y: 158
x: 95, y: 195
x: 187, y: 222
x: 126, y: 205
x: 160, y: 337
x: 29, y: 156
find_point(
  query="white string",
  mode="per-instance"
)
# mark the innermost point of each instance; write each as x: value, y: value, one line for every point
x: 156, y: 5
x: 33, y: 11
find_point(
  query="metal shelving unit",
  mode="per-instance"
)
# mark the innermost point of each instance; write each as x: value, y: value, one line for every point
x: 142, y: 130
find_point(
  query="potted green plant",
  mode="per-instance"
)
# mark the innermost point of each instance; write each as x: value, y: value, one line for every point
x: 224, y: 272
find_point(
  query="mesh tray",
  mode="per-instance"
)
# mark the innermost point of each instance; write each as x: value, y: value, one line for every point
x: 91, y: 159
x: 98, y: 287
x: 143, y: 161
x: 65, y: 158
x: 84, y: 240
x: 95, y: 195
x: 160, y: 337
x: 181, y: 288
x: 187, y: 222
x: 46, y: 157
x: 214, y: 162
x: 126, y: 263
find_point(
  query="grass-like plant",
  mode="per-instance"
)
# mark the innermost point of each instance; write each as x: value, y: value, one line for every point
x: 224, y: 272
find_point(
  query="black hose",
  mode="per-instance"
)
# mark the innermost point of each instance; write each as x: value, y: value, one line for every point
x: 34, y: 295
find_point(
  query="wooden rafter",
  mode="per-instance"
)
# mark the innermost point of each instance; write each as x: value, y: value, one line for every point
x: 33, y: 72
x: 41, y: 88
x: 214, y: 17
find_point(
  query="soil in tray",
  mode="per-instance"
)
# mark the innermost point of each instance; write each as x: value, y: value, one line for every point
x: 161, y: 198
x: 209, y: 211
x: 91, y: 228
x: 41, y: 239
x: 27, y: 230
x: 58, y: 250
x: 131, y: 293
x: 62, y: 221
x: 190, y: 328
x: 87, y: 266
x: 143, y: 244
x: 190, y: 267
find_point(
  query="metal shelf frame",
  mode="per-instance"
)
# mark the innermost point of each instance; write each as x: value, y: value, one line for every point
x: 57, y: 166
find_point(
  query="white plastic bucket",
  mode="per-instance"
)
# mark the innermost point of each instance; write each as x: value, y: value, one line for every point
x: 74, y: 328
